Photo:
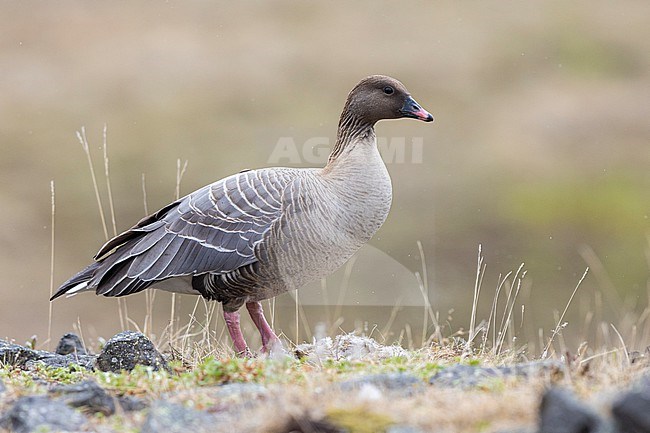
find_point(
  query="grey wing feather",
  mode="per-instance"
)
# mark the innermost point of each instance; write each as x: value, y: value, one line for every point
x: 214, y: 229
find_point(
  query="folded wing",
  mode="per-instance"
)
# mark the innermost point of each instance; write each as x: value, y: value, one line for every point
x: 213, y: 230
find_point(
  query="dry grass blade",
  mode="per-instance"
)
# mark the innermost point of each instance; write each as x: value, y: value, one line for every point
x: 81, y: 136
x: 344, y: 289
x: 111, y: 207
x: 423, y: 285
x: 492, y: 319
x: 180, y: 171
x: 122, y: 305
x: 480, y: 271
x: 620, y: 337
x: 50, y: 306
x: 558, y: 327
x: 391, y: 319
x: 509, y: 307
x: 271, y: 303
x: 297, y: 316
x: 144, y: 195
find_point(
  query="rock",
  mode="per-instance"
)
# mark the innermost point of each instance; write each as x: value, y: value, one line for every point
x: 24, y: 357
x: 131, y: 404
x: 70, y: 344
x: 467, y: 376
x: 348, y: 347
x: 560, y: 412
x: 229, y: 398
x: 17, y: 355
x: 40, y: 413
x: 631, y: 411
x: 87, y: 395
x: 126, y: 350
x: 305, y: 424
x: 402, y: 384
x: 2, y: 387
x: 234, y: 393
x: 64, y: 361
x: 173, y: 418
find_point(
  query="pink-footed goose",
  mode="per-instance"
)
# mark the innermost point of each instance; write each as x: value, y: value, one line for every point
x: 259, y: 233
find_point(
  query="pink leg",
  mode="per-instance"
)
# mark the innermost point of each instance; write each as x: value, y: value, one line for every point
x: 232, y: 322
x: 269, y: 339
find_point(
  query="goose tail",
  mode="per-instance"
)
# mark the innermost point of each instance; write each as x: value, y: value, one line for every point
x: 78, y: 283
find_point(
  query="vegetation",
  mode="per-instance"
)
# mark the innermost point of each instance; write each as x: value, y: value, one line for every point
x: 308, y: 388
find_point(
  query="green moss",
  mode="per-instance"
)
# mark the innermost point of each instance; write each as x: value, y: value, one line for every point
x: 64, y: 375
x: 35, y: 380
x: 429, y: 369
x: 141, y: 380
x: 482, y: 425
x: 359, y: 420
x: 214, y: 371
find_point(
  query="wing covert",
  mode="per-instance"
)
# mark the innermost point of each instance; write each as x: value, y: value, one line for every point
x: 214, y: 229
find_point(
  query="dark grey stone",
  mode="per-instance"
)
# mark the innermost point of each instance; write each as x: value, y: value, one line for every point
x: 132, y: 404
x: 126, y: 350
x: 24, y: 357
x: 229, y: 398
x: 70, y: 344
x: 560, y: 412
x: 17, y: 355
x: 467, y: 376
x: 173, y: 418
x: 304, y: 424
x: 64, y: 361
x: 87, y: 395
x: 40, y: 413
x: 631, y: 411
x: 397, y: 383
x: 238, y: 391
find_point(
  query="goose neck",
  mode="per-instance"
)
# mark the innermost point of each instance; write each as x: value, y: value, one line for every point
x: 352, y: 130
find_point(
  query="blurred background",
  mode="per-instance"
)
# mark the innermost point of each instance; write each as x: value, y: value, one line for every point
x: 540, y: 152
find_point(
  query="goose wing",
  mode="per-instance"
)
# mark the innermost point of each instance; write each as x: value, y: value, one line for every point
x: 213, y: 229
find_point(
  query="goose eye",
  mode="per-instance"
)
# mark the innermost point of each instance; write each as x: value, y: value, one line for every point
x: 388, y: 90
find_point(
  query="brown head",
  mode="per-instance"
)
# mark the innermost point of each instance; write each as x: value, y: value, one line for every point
x: 380, y: 97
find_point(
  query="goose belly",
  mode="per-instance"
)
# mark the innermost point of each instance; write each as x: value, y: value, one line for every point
x: 317, y: 239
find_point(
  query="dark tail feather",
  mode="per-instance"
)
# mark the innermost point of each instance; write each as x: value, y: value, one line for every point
x: 81, y: 277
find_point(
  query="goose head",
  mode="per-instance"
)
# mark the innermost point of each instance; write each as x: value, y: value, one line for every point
x: 379, y: 97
